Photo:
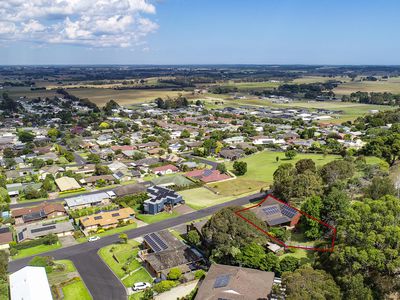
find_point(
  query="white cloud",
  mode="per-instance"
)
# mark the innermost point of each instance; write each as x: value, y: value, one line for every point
x: 94, y: 23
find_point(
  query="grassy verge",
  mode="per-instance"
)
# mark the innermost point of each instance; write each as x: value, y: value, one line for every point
x: 156, y: 218
x: 199, y: 198
x: 76, y: 290
x: 36, y: 250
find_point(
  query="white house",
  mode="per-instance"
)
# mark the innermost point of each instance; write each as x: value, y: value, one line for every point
x: 30, y: 283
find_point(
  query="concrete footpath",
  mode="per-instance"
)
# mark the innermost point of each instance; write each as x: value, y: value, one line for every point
x: 178, y: 292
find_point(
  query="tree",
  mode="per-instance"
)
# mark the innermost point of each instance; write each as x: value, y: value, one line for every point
x: 251, y: 255
x: 288, y: 264
x: 226, y: 234
x: 69, y: 156
x: 283, y: 181
x: 336, y: 170
x: 124, y: 238
x: 25, y: 136
x: 102, y: 170
x: 305, y: 165
x: 334, y: 206
x: 290, y: 154
x: 93, y: 158
x: 379, y: 187
x: 148, y: 294
x: 312, y: 206
x: 367, y: 245
x: 53, y: 133
x: 240, y: 167
x: 104, y: 125
x: 306, y: 184
x: 193, y: 237
x: 174, y: 274
x: 307, y: 283
x: 221, y: 167
x: 185, y: 134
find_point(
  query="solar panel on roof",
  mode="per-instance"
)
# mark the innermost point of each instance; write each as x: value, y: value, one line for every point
x: 278, y: 221
x: 98, y: 217
x: 207, y: 172
x: 43, y: 228
x: 115, y: 215
x: 221, y: 281
x: 288, y: 211
x: 152, y: 243
x: 271, y: 210
x: 159, y: 241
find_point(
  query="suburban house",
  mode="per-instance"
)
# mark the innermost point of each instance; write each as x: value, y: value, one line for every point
x: 6, y: 237
x: 81, y: 201
x: 231, y: 154
x: 231, y: 282
x: 30, y: 283
x: 234, y: 140
x: 92, y: 180
x: 67, y: 184
x: 88, y: 169
x: 123, y: 175
x: 50, y: 170
x: 164, y: 170
x: 37, y: 230
x: 164, y: 252
x: 207, y: 175
x: 275, y: 212
x: 38, y: 213
x: 106, y: 219
x: 160, y: 197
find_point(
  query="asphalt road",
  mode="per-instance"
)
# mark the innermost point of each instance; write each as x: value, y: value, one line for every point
x: 100, y: 280
x: 79, y: 159
x: 213, y: 164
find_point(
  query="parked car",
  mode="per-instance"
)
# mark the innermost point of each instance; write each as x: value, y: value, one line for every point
x: 93, y: 238
x: 138, y: 286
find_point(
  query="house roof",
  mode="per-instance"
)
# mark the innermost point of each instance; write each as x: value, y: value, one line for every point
x: 177, y: 180
x: 106, y: 218
x: 86, y: 199
x: 162, y: 240
x: 231, y: 282
x: 207, y: 175
x: 5, y: 235
x: 47, y: 208
x: 30, y: 283
x: 67, y: 183
x: 165, y: 168
x: 158, y: 193
x: 33, y: 231
x: 92, y: 179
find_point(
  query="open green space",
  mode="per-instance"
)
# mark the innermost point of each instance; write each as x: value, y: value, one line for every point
x: 202, y: 197
x: 236, y: 187
x: 391, y: 85
x: 76, y: 290
x: 122, y: 259
x: 36, y: 250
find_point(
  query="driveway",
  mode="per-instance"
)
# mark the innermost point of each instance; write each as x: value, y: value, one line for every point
x: 178, y: 292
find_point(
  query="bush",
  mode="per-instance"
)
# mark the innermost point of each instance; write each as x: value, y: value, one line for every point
x: 199, y: 274
x: 13, y: 251
x: 49, y: 239
x: 42, y: 261
x: 174, y: 274
x: 164, y: 286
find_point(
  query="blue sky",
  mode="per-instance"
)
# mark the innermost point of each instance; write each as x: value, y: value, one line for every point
x: 200, y: 32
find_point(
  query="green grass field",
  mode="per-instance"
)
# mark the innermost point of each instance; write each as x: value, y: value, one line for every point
x: 392, y: 85
x: 76, y: 290
x: 315, y: 79
x: 199, y: 198
x: 123, y: 252
x: 36, y: 250
x: 236, y: 187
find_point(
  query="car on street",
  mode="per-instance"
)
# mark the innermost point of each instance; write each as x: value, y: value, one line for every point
x: 138, y: 286
x: 93, y: 238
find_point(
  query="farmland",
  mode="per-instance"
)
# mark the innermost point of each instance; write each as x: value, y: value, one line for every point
x: 391, y: 85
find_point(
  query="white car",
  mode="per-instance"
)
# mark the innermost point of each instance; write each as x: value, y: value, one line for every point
x: 138, y: 286
x: 93, y: 238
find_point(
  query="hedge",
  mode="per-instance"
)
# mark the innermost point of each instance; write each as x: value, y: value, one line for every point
x: 47, y: 240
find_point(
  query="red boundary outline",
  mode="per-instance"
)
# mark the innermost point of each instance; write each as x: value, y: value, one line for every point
x: 278, y: 241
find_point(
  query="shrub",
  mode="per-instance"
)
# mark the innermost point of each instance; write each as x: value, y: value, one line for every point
x: 174, y: 274
x: 199, y: 274
x: 164, y: 286
x: 49, y: 239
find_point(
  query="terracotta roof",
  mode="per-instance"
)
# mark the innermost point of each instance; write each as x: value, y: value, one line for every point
x: 165, y: 168
x: 47, y: 208
x: 207, y: 175
x: 5, y: 236
x: 123, y: 148
x: 106, y: 218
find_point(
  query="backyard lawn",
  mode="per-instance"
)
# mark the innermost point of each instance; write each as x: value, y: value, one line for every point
x: 236, y: 187
x: 122, y: 259
x: 36, y: 250
x: 110, y: 232
x: 76, y: 290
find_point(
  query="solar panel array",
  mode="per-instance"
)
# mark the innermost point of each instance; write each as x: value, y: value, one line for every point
x: 98, y: 217
x: 288, y: 211
x: 115, y: 215
x: 271, y: 210
x: 207, y: 172
x: 221, y: 281
x: 44, y: 228
x: 155, y: 242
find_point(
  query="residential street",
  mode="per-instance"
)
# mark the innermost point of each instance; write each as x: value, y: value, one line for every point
x: 100, y: 280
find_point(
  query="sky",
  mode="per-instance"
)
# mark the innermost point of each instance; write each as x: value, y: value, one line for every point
x: 199, y: 32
